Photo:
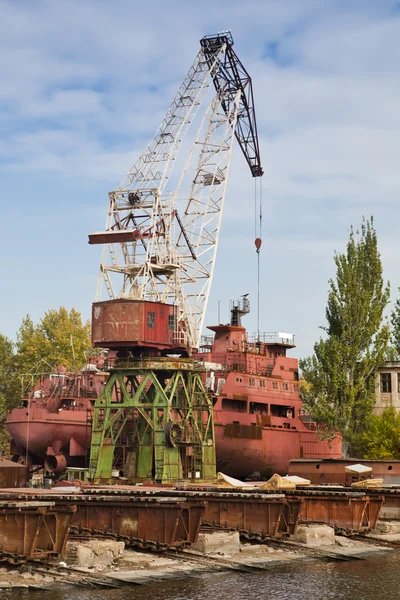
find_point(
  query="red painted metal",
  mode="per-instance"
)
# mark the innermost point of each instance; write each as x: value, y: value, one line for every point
x: 112, y: 237
x: 55, y: 419
x: 347, y: 511
x: 132, y: 324
x: 257, y: 406
x: 332, y: 470
x: 255, y: 517
x: 12, y: 474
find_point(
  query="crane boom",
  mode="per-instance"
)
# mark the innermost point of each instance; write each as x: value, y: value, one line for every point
x: 160, y: 246
x: 231, y: 75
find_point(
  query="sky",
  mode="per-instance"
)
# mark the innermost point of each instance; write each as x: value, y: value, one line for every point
x: 84, y: 85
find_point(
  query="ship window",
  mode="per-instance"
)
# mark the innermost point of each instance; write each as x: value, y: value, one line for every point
x: 234, y: 405
x: 285, y: 386
x: 274, y: 385
x: 386, y: 383
x: 278, y: 410
x: 151, y: 320
x: 171, y: 322
x: 258, y: 408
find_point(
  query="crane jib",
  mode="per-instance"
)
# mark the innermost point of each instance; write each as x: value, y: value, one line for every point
x: 232, y: 74
x: 161, y: 235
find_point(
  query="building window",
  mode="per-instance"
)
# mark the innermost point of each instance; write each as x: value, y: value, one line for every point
x: 234, y: 405
x: 151, y: 320
x: 258, y: 408
x: 274, y: 385
x: 285, y: 386
x: 262, y: 383
x: 277, y: 410
x: 252, y: 381
x: 296, y: 387
x: 386, y: 383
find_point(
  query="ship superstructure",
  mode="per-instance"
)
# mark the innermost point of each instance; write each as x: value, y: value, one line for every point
x: 258, y: 413
x: 53, y: 425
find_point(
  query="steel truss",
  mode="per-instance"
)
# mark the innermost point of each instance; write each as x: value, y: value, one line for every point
x: 154, y: 421
x: 161, y: 246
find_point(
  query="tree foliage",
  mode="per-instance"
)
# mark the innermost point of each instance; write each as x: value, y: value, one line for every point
x: 10, y: 388
x: 340, y: 374
x: 60, y: 337
x: 382, y: 438
x: 395, y: 319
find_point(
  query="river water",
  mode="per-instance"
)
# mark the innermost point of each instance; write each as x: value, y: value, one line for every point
x: 375, y: 578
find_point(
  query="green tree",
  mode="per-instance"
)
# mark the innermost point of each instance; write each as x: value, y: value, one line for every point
x: 10, y: 387
x: 395, y: 319
x: 60, y: 337
x: 382, y: 438
x: 340, y: 374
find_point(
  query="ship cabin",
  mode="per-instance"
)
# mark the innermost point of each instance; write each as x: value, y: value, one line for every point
x: 254, y: 382
x: 62, y: 390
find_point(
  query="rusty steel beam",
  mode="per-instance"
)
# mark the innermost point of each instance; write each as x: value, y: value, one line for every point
x: 33, y: 530
x: 154, y: 522
x: 254, y: 518
x: 157, y: 523
x: 345, y: 512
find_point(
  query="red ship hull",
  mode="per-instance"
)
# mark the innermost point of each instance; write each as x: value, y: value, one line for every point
x: 271, y: 454
x: 258, y: 421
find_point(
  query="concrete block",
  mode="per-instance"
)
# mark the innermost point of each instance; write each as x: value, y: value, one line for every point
x: 387, y: 527
x: 217, y: 542
x: 94, y: 553
x: 315, y: 535
x: 390, y: 512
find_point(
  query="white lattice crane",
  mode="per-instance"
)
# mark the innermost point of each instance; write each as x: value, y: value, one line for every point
x: 160, y: 246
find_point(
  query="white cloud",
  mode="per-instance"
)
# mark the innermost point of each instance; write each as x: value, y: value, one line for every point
x: 84, y: 86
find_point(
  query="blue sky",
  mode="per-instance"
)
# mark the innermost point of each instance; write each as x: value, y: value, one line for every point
x: 84, y: 85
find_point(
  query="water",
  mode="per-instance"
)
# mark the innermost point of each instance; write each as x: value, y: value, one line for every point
x: 377, y: 577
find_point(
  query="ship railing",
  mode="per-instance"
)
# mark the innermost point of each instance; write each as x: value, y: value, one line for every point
x: 308, y: 421
x: 206, y: 342
x: 272, y: 337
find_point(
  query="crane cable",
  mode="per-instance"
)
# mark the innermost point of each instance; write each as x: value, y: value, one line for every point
x: 258, y: 242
